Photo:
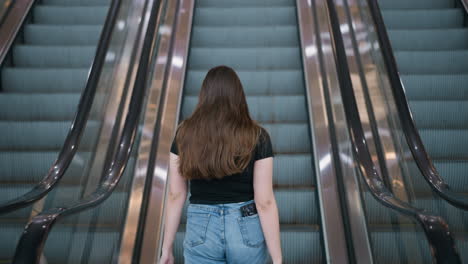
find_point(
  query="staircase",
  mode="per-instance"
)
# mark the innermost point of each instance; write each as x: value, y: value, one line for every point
x: 41, y: 83
x: 430, y: 43
x: 260, y: 40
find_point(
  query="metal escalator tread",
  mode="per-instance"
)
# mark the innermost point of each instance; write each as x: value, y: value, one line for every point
x: 41, y: 88
x: 430, y: 42
x: 260, y: 40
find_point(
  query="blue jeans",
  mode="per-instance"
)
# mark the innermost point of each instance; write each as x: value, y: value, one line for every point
x: 217, y: 233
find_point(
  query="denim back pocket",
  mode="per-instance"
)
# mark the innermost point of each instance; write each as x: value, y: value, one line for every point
x: 251, y: 230
x: 197, y: 224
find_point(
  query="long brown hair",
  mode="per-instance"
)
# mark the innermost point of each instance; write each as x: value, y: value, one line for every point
x: 219, y: 137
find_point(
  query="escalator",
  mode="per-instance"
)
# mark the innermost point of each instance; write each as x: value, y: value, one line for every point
x: 260, y: 40
x: 430, y: 44
x: 41, y: 83
x: 113, y: 197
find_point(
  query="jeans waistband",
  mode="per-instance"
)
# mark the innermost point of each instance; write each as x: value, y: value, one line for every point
x: 220, y: 208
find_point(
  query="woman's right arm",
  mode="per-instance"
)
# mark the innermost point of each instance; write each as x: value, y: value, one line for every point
x: 175, y: 201
x: 266, y: 206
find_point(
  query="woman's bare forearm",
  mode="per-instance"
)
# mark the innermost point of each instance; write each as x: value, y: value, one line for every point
x: 174, y: 206
x: 268, y: 213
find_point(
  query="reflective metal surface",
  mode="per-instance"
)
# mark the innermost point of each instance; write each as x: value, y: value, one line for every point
x: 165, y: 130
x: 436, y: 230
x: 33, y: 239
x: 165, y: 31
x: 350, y: 189
x: 376, y: 116
x: 414, y: 141
x: 316, y: 83
x: 368, y: 89
x: 4, y: 8
x: 72, y: 141
x: 11, y: 25
x: 465, y: 5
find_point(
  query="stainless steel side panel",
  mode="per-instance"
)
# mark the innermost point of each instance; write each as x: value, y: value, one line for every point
x: 152, y: 238
x: 164, y: 33
x: 320, y: 76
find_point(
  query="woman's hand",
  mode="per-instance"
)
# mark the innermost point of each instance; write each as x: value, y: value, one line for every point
x: 167, y: 258
x: 279, y: 261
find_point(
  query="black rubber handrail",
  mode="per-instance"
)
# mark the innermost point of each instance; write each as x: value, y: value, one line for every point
x: 442, y: 245
x: 32, y: 241
x: 420, y: 155
x: 70, y: 146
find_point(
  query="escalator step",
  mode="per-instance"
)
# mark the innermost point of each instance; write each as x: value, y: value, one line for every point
x: 280, y: 36
x: 284, y: 82
x: 439, y: 62
x: 440, y: 114
x: 238, y: 16
x: 445, y: 143
x: 293, y: 170
x: 246, y: 59
x: 62, y: 34
x: 49, y: 56
x: 416, y: 4
x: 264, y: 108
x: 67, y: 244
x: 429, y: 39
x: 436, y: 86
x: 399, y: 246
x: 289, y: 138
x: 38, y: 107
x: 423, y: 19
x: 94, y: 15
x: 41, y: 135
x: 77, y: 2
x: 43, y: 80
x: 244, y: 3
x: 31, y: 166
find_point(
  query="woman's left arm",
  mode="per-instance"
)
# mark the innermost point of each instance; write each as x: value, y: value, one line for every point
x: 176, y: 196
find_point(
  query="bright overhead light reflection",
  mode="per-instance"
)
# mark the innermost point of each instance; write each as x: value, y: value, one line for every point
x: 344, y: 28
x: 324, y: 162
x: 164, y: 30
x: 120, y: 25
x: 160, y: 173
x: 110, y: 56
x: 311, y: 50
x: 177, y: 61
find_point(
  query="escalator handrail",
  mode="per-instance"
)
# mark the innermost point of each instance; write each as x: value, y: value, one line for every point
x: 32, y: 241
x: 464, y: 3
x: 11, y: 21
x: 438, y: 235
x: 70, y: 146
x: 420, y: 155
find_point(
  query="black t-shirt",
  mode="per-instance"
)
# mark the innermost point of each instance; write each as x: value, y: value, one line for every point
x: 233, y: 188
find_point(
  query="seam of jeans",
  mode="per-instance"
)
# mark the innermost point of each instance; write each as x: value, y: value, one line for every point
x: 203, y: 233
x: 244, y: 232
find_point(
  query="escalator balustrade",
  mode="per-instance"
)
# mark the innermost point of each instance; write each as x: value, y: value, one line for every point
x: 41, y: 83
x: 430, y: 43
